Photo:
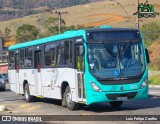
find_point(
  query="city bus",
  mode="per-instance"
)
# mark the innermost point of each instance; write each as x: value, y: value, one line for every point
x: 78, y: 67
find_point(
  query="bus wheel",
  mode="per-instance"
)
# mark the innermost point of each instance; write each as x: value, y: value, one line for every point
x: 116, y: 103
x: 27, y: 95
x: 68, y: 100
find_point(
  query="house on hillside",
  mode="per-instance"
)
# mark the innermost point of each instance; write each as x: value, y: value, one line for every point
x: 5, y: 42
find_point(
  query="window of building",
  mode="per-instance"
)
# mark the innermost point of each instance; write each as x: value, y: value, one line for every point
x: 50, y: 56
x: 28, y: 57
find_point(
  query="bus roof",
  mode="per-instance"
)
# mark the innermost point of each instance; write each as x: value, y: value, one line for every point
x: 65, y: 35
x: 110, y: 29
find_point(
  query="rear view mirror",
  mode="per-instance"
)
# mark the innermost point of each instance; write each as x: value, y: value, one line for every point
x: 147, y: 56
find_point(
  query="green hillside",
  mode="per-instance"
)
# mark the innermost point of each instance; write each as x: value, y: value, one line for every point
x: 10, y: 9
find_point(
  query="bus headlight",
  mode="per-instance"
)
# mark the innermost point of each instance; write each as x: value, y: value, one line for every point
x: 95, y: 87
x: 144, y: 84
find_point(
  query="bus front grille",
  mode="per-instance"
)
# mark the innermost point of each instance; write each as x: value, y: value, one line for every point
x: 128, y: 95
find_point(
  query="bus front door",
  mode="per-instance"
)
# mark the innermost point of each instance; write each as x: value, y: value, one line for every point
x: 80, y: 72
x: 38, y: 81
x: 17, y: 73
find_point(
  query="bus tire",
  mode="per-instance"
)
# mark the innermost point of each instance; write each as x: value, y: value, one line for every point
x: 63, y: 101
x: 71, y: 105
x: 27, y: 95
x: 116, y: 103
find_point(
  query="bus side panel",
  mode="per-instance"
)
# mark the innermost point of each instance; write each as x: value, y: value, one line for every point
x: 32, y: 81
x: 21, y: 80
x: 27, y: 74
x: 48, y: 78
x: 64, y: 75
x: 12, y: 80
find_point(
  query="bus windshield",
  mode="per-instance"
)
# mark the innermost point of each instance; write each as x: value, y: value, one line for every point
x: 122, y: 59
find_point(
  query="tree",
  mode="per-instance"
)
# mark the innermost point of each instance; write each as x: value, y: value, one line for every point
x: 7, y: 31
x: 1, y: 5
x: 26, y: 32
x: 51, y: 25
x: 1, y: 34
x: 151, y: 32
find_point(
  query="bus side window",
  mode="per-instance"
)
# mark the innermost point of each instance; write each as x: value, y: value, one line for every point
x: 50, y: 57
x: 66, y: 53
x: 71, y: 53
x: 11, y: 59
x: 21, y: 58
x: 28, y: 57
x: 63, y: 53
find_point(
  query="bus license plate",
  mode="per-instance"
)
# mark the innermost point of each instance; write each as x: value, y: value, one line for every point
x: 122, y: 98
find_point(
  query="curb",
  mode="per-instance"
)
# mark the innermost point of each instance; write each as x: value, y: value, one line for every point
x: 2, y: 108
x: 154, y: 86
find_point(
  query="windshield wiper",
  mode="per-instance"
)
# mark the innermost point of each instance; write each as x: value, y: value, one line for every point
x: 120, y: 56
x: 126, y: 47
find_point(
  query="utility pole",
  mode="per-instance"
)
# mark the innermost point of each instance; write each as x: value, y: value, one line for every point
x: 60, y: 18
x: 137, y: 23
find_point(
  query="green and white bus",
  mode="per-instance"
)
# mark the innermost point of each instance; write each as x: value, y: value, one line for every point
x: 82, y: 67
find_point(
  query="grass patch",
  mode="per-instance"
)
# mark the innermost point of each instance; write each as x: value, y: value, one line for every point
x: 153, y: 68
x: 154, y: 80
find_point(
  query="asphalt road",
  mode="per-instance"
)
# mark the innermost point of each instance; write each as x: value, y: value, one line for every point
x: 16, y: 105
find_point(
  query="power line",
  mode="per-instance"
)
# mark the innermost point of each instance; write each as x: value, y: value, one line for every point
x: 128, y: 16
x: 60, y: 18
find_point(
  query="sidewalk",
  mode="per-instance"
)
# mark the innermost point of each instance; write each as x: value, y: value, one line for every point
x: 154, y: 86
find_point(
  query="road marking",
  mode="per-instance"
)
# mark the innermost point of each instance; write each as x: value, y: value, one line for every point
x: 33, y: 108
x: 138, y: 104
x: 24, y: 105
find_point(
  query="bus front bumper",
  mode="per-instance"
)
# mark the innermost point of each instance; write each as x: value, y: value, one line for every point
x: 94, y: 97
